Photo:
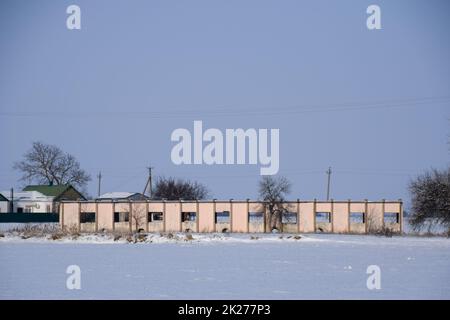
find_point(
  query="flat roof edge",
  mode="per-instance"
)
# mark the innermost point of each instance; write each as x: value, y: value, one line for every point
x: 228, y: 201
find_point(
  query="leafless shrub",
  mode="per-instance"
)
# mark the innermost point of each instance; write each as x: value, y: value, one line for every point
x: 175, y: 189
x: 430, y: 199
x: 138, y: 216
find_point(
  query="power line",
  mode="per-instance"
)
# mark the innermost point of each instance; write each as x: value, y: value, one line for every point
x: 271, y: 111
x: 126, y: 181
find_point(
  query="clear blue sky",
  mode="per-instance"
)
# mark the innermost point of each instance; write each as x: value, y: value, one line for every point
x: 374, y: 105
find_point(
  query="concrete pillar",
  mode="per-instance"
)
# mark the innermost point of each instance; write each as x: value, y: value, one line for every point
x: 197, y: 220
x: 130, y: 216
x: 79, y: 216
x: 146, y: 215
x: 314, y: 212
x: 164, y: 216
x: 62, y: 216
x: 366, y: 215
x: 214, y: 209
x: 96, y: 216
x: 348, y: 215
x: 113, y: 214
x: 332, y: 216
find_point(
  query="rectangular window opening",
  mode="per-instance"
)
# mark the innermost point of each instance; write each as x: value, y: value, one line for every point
x: 121, y: 217
x: 155, y: 216
x: 323, y: 217
x: 188, y: 216
x: 256, y: 217
x: 289, y: 217
x: 391, y: 217
x: 87, y: 217
x: 222, y: 217
x: 357, y: 217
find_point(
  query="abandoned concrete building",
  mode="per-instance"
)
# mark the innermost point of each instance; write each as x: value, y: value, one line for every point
x: 231, y: 216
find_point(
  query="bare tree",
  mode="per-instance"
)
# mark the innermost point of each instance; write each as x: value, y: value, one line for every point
x: 47, y: 164
x: 430, y: 201
x: 139, y: 216
x: 273, y: 192
x: 175, y: 189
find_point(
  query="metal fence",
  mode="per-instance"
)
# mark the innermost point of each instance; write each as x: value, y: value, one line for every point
x: 16, y: 217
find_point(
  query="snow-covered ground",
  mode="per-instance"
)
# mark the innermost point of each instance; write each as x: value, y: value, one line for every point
x: 220, y: 266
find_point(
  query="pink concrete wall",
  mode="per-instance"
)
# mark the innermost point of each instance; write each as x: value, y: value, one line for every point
x: 323, y: 207
x: 239, y: 220
x: 188, y: 206
x: 173, y: 216
x: 156, y: 207
x: 156, y: 226
x: 122, y: 227
x: 223, y: 206
x: 307, y: 217
x: 122, y: 207
x: 392, y: 207
x: 374, y: 216
x: 256, y: 227
x: 105, y: 216
x: 291, y: 207
x: 87, y: 227
x: 87, y: 207
x: 357, y: 207
x: 340, y: 217
x: 70, y: 216
x: 206, y: 217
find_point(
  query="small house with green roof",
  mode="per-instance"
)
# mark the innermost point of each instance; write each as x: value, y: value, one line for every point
x: 56, y: 193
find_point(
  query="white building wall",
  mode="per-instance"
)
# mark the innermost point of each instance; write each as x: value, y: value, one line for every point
x: 4, y: 206
x: 33, y: 206
x: 30, y: 201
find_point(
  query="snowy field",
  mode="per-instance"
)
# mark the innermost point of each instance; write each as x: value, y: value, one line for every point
x: 210, y: 266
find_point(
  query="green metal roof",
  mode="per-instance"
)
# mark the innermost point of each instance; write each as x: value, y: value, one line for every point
x: 3, y: 198
x: 50, y: 191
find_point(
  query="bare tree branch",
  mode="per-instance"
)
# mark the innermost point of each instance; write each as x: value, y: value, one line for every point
x: 46, y: 164
x: 273, y: 192
x: 430, y: 201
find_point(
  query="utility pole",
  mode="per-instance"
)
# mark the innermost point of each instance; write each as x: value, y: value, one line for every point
x: 11, y: 207
x: 99, y: 176
x: 149, y: 182
x: 329, y: 180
